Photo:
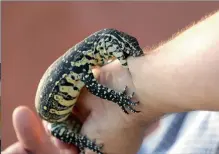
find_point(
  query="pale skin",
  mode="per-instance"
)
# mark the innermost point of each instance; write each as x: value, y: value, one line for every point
x: 180, y: 75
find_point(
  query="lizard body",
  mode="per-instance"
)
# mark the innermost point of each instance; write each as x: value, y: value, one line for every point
x: 60, y: 85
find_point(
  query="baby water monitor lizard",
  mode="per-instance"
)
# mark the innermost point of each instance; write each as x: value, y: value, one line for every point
x: 62, y: 82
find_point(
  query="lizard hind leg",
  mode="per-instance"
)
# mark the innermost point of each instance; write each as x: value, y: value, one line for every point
x: 69, y: 132
x: 120, y: 98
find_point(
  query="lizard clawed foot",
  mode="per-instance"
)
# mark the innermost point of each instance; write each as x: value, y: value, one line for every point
x: 126, y: 103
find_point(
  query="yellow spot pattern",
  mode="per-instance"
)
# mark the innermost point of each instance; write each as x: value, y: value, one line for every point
x: 69, y: 90
x: 64, y: 102
x: 62, y: 112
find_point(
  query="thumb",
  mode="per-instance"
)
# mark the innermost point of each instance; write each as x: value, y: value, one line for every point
x: 30, y: 132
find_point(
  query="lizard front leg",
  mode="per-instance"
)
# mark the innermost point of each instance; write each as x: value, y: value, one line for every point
x: 120, y: 98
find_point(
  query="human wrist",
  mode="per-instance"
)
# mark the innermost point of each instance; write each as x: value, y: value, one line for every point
x: 150, y: 110
x: 181, y: 75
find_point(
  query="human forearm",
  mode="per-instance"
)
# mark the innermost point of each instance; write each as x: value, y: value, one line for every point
x: 182, y: 74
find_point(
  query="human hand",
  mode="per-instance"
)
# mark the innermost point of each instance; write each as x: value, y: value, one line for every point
x: 103, y: 120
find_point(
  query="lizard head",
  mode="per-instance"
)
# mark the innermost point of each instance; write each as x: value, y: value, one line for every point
x: 117, y: 42
x: 130, y: 45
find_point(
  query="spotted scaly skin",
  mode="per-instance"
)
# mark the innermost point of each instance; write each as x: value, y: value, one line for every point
x: 62, y: 82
